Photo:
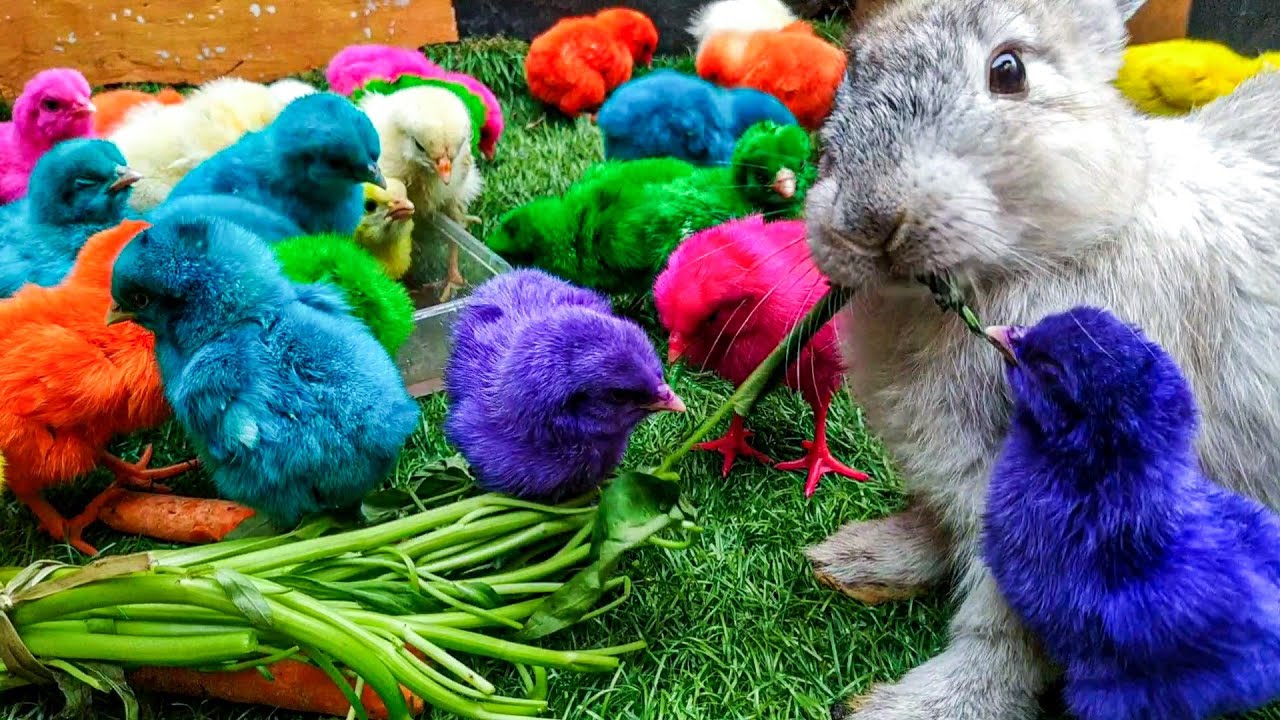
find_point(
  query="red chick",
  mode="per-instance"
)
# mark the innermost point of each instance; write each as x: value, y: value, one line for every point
x: 71, y: 382
x: 792, y: 64
x: 728, y: 297
x: 580, y: 60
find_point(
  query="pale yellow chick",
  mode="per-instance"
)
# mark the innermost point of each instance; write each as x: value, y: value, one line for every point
x: 386, y: 230
x: 1174, y: 77
x: 426, y: 143
x: 165, y: 142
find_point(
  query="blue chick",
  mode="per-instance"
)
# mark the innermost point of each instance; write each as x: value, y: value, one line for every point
x: 307, y: 165
x: 257, y: 219
x: 78, y: 188
x: 293, y: 404
x: 1155, y: 589
x: 670, y: 114
x: 546, y: 385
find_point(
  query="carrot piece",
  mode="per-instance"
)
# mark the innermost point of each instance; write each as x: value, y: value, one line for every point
x: 173, y: 519
x: 297, y: 687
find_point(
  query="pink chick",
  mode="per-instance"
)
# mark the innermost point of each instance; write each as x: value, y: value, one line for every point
x: 728, y: 297
x: 356, y: 65
x: 54, y: 106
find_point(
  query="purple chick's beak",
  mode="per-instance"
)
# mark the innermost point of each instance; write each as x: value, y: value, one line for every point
x: 1000, y: 337
x: 125, y: 177
x: 667, y: 401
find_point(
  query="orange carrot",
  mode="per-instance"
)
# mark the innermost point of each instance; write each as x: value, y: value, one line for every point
x: 297, y: 687
x: 173, y: 519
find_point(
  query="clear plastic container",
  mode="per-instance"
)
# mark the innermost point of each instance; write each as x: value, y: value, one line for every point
x: 423, y: 356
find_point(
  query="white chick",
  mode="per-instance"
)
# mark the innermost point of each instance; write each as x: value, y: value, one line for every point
x: 742, y: 15
x: 426, y: 144
x: 165, y: 142
x: 289, y: 89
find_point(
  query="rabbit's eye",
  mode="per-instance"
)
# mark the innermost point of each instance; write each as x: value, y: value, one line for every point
x: 1008, y: 75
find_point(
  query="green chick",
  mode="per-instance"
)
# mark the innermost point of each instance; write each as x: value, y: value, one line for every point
x: 614, y: 228
x: 377, y: 300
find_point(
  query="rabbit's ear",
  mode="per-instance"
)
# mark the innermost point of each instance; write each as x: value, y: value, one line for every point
x: 1129, y: 8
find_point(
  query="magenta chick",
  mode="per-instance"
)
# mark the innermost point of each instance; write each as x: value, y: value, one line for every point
x: 356, y: 65
x: 728, y: 297
x: 546, y: 385
x: 54, y: 106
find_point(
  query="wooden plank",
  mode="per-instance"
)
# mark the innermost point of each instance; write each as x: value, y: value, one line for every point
x: 190, y: 41
x: 1160, y: 20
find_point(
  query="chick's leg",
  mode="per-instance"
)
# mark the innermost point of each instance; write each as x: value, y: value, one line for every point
x: 77, y: 525
x: 734, y: 443
x: 138, y: 476
x: 818, y: 459
x: 453, y: 278
x: 51, y: 521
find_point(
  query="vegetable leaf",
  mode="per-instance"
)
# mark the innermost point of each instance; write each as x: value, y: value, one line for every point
x: 246, y: 596
x: 634, y: 507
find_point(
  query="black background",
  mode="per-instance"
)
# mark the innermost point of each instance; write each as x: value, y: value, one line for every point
x: 1247, y: 25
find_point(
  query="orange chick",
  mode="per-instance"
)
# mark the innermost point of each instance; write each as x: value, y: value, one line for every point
x: 113, y: 105
x: 792, y: 64
x: 70, y: 382
x: 580, y: 60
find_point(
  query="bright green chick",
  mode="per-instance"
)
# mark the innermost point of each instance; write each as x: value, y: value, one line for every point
x: 375, y: 298
x: 615, y: 227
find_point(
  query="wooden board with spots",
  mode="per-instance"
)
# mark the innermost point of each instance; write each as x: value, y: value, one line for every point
x: 1157, y: 20
x: 190, y: 41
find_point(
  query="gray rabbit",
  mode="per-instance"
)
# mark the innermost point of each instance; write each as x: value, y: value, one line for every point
x: 984, y: 137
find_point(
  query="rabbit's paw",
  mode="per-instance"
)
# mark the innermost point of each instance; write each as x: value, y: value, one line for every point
x: 876, y: 561
x: 956, y: 685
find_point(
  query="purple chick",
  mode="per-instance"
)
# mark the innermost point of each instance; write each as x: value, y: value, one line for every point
x: 546, y: 385
x: 1155, y: 589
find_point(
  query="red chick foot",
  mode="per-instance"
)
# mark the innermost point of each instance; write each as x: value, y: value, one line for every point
x: 819, y: 461
x: 734, y: 443
x: 139, y: 477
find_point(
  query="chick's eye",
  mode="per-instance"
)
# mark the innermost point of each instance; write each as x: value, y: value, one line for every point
x: 621, y: 397
x: 50, y: 104
x: 1008, y: 74
x: 138, y: 300
x: 370, y: 206
x: 85, y: 182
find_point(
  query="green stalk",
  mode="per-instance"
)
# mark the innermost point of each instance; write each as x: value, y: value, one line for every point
x: 477, y: 644
x: 145, y: 589
x: 488, y: 527
x: 489, y: 551
x: 543, y: 569
x: 139, y: 650
x: 354, y: 541
x: 766, y: 376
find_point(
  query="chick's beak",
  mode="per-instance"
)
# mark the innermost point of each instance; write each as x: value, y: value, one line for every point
x: 784, y: 183
x: 444, y: 166
x: 84, y: 107
x: 667, y: 401
x: 125, y: 178
x: 116, y: 315
x: 374, y: 175
x: 677, y: 346
x: 400, y: 210
x: 999, y: 337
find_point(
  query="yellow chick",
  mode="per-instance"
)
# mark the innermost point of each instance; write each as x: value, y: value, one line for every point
x: 165, y: 142
x: 1174, y: 77
x: 386, y: 230
x: 425, y: 134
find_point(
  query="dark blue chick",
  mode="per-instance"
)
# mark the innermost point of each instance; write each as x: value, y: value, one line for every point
x: 257, y: 219
x: 294, y: 406
x: 1155, y: 589
x: 77, y: 189
x: 670, y: 114
x: 545, y: 386
x: 307, y: 165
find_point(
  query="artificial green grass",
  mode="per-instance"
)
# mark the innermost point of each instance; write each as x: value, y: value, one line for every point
x: 737, y: 628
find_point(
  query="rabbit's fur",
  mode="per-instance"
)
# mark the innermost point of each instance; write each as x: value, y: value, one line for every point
x: 1060, y: 198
